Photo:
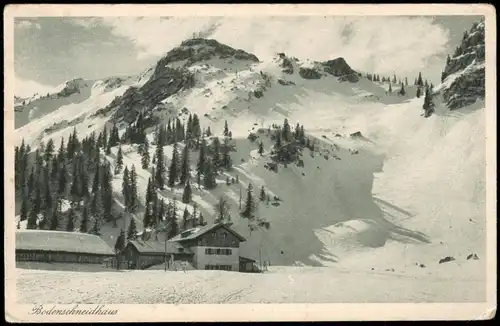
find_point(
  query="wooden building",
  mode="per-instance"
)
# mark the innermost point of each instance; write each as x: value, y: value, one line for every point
x: 61, y: 247
x: 214, y: 247
x: 142, y: 254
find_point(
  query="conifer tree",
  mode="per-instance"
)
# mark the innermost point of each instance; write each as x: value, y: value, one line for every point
x: 119, y: 247
x: 132, y: 230
x: 419, y: 93
x: 402, y: 91
x: 200, y: 168
x: 261, y: 148
x: 145, y: 159
x: 185, y: 167
x: 62, y: 181
x: 147, y: 219
x: 286, y: 133
x: 119, y: 161
x: 54, y: 219
x: 209, y: 180
x: 249, y: 209
x: 185, y: 219
x: 390, y: 88
x: 160, y: 168
x: 216, y: 158
x: 227, y: 162
x: 173, y: 171
x: 222, y: 209
x: 85, y: 220
x: 262, y: 194
x: 277, y: 144
x: 49, y: 151
x: 133, y: 199
x: 70, y: 226
x: 201, y: 220
x: 208, y: 132
x: 126, y: 189
x: 406, y: 81
x: 174, y: 226
x: 96, y: 229
x: 420, y: 82
x: 161, y: 211
x: 186, y: 195
x: 226, y: 129
x: 428, y: 103
x: 24, y: 208
x: 194, y: 217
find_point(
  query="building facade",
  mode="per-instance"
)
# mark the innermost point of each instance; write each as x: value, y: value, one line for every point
x: 142, y: 254
x: 215, y: 247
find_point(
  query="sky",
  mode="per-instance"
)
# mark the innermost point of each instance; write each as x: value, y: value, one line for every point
x: 49, y: 51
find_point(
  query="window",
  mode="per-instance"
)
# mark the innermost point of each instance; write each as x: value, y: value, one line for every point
x: 218, y: 251
x: 214, y: 235
x: 225, y: 235
x: 219, y: 267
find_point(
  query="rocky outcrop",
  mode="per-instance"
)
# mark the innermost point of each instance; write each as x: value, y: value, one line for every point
x: 199, y: 49
x: 339, y: 68
x: 467, y: 64
x: 286, y: 64
x: 309, y: 73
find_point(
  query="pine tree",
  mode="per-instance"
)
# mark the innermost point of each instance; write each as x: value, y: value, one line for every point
x: 24, y: 208
x: 70, y: 226
x: 120, y: 242
x: 227, y: 162
x: 85, y: 220
x: 147, y: 219
x: 126, y: 189
x: 209, y: 180
x: 262, y: 194
x: 249, y: 210
x: 173, y: 171
x: 107, y: 192
x: 286, y: 133
x: 186, y: 195
x: 261, y: 148
x: 402, y: 91
x: 216, y: 159
x: 161, y: 211
x: 201, y: 220
x: 54, y: 219
x: 96, y: 229
x: 185, y: 218
x: 419, y: 93
x: 160, y: 168
x: 420, y: 82
x: 226, y: 129
x: 406, y: 81
x: 277, y: 144
x: 145, y: 159
x: 194, y: 217
x: 185, y: 167
x: 174, y: 226
x: 49, y: 151
x: 75, y: 184
x: 222, y: 209
x: 428, y: 103
x: 133, y: 199
x: 390, y: 88
x: 200, y: 168
x: 132, y: 230
x: 119, y: 161
x: 208, y: 132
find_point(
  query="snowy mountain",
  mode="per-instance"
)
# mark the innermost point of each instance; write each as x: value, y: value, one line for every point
x: 380, y: 188
x: 464, y: 74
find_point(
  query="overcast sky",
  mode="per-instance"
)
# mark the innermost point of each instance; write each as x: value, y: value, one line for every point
x: 50, y: 51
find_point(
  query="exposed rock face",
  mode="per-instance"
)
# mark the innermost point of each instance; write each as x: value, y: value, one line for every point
x: 166, y: 81
x: 468, y: 63
x: 286, y: 64
x: 309, y: 73
x: 72, y: 87
x: 199, y: 49
x: 339, y: 68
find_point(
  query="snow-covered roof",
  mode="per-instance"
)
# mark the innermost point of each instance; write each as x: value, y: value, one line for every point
x: 194, y: 233
x: 157, y: 247
x: 61, y: 241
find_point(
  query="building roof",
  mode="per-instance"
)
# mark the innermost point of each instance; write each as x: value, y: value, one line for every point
x: 61, y: 241
x: 195, y: 233
x: 158, y: 247
x: 246, y: 260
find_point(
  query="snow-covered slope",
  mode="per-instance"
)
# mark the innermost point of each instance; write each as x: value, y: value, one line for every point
x: 402, y: 194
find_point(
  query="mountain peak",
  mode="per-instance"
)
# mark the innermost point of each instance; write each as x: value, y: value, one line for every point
x: 200, y: 49
x: 464, y: 75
